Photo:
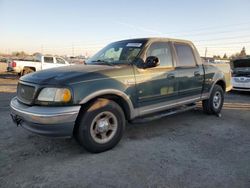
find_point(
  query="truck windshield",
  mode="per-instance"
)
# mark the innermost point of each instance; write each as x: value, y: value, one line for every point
x: 123, y: 52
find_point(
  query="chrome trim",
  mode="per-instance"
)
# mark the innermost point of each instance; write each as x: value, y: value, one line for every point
x: 167, y: 105
x: 240, y: 89
x: 133, y: 112
x: 44, y: 115
x: 205, y: 95
x: 156, y: 95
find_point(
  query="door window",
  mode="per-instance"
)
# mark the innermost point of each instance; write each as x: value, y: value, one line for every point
x: 185, y: 55
x: 163, y: 52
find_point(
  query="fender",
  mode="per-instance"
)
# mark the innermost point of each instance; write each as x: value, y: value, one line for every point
x: 216, y: 81
x: 133, y: 111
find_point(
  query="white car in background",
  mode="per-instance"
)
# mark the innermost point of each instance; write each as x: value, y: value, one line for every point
x: 39, y: 62
x: 241, y: 74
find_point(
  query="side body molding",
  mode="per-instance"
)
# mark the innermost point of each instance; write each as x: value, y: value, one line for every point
x: 133, y: 112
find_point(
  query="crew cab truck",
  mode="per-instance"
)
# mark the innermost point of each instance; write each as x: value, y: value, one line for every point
x: 132, y: 80
x: 40, y: 62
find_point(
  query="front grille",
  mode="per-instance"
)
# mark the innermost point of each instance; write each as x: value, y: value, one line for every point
x: 241, y: 79
x: 25, y: 93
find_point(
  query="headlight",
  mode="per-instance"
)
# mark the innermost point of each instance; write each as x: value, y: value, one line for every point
x: 55, y: 95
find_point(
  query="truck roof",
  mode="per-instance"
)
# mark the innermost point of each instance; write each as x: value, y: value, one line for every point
x: 159, y: 39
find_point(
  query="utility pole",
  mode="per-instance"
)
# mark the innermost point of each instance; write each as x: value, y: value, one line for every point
x: 42, y: 49
x: 73, y: 50
x: 206, y: 52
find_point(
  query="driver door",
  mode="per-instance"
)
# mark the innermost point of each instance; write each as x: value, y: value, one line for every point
x: 156, y: 85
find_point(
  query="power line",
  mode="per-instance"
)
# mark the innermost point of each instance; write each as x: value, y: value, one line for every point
x: 210, y: 27
x: 218, y: 44
x: 223, y: 38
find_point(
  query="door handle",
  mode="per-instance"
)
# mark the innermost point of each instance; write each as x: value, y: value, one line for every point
x: 172, y: 76
x: 197, y: 73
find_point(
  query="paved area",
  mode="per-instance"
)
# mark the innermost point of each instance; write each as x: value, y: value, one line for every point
x: 191, y: 149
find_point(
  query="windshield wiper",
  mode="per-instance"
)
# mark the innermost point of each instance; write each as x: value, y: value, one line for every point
x: 102, y: 61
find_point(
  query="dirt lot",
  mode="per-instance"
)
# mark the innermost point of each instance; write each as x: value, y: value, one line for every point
x: 190, y: 149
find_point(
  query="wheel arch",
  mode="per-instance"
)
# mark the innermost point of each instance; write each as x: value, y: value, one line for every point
x: 219, y: 82
x: 118, y: 96
x: 27, y: 67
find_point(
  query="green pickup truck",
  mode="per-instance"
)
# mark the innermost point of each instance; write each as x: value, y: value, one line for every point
x: 133, y: 80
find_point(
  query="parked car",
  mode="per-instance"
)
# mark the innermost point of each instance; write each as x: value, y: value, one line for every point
x: 39, y: 62
x: 132, y: 80
x: 241, y: 74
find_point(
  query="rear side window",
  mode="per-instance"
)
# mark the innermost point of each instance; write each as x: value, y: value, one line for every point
x: 48, y: 60
x: 163, y: 52
x: 185, y: 55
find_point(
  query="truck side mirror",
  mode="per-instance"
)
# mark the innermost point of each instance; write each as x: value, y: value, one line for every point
x: 152, y: 61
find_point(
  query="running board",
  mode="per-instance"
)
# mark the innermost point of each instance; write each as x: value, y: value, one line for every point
x: 162, y: 114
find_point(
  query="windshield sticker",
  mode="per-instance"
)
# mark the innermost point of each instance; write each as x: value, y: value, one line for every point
x: 134, y: 44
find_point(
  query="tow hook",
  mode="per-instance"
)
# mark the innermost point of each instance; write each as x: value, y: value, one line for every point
x: 18, y: 121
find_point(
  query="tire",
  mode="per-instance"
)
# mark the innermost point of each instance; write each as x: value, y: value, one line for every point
x: 27, y: 71
x: 214, y: 104
x: 101, y: 126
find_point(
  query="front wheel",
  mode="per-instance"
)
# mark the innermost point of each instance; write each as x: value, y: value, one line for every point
x: 101, y: 126
x: 214, y: 104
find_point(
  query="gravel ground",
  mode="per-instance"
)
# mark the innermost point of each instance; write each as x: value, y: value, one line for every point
x: 191, y: 149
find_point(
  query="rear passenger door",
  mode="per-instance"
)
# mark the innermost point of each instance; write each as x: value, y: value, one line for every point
x: 189, y: 73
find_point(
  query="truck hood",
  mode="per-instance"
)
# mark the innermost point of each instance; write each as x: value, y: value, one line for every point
x: 67, y: 75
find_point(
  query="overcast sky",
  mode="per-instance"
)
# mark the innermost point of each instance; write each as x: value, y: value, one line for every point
x: 80, y: 27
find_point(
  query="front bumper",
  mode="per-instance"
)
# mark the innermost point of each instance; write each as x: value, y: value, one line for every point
x: 240, y: 89
x: 241, y: 83
x: 48, y: 121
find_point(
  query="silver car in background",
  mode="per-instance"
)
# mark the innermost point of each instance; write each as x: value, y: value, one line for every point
x: 241, y: 74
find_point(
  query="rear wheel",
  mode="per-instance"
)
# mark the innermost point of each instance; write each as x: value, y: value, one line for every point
x: 214, y: 104
x: 101, y: 126
x: 27, y: 71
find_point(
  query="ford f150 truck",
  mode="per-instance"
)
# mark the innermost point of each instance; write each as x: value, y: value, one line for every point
x: 132, y: 80
x: 40, y: 62
x: 241, y: 74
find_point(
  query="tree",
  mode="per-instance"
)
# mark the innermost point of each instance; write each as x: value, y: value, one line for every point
x: 225, y: 56
x: 243, y: 52
x: 216, y: 57
x: 19, y: 54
